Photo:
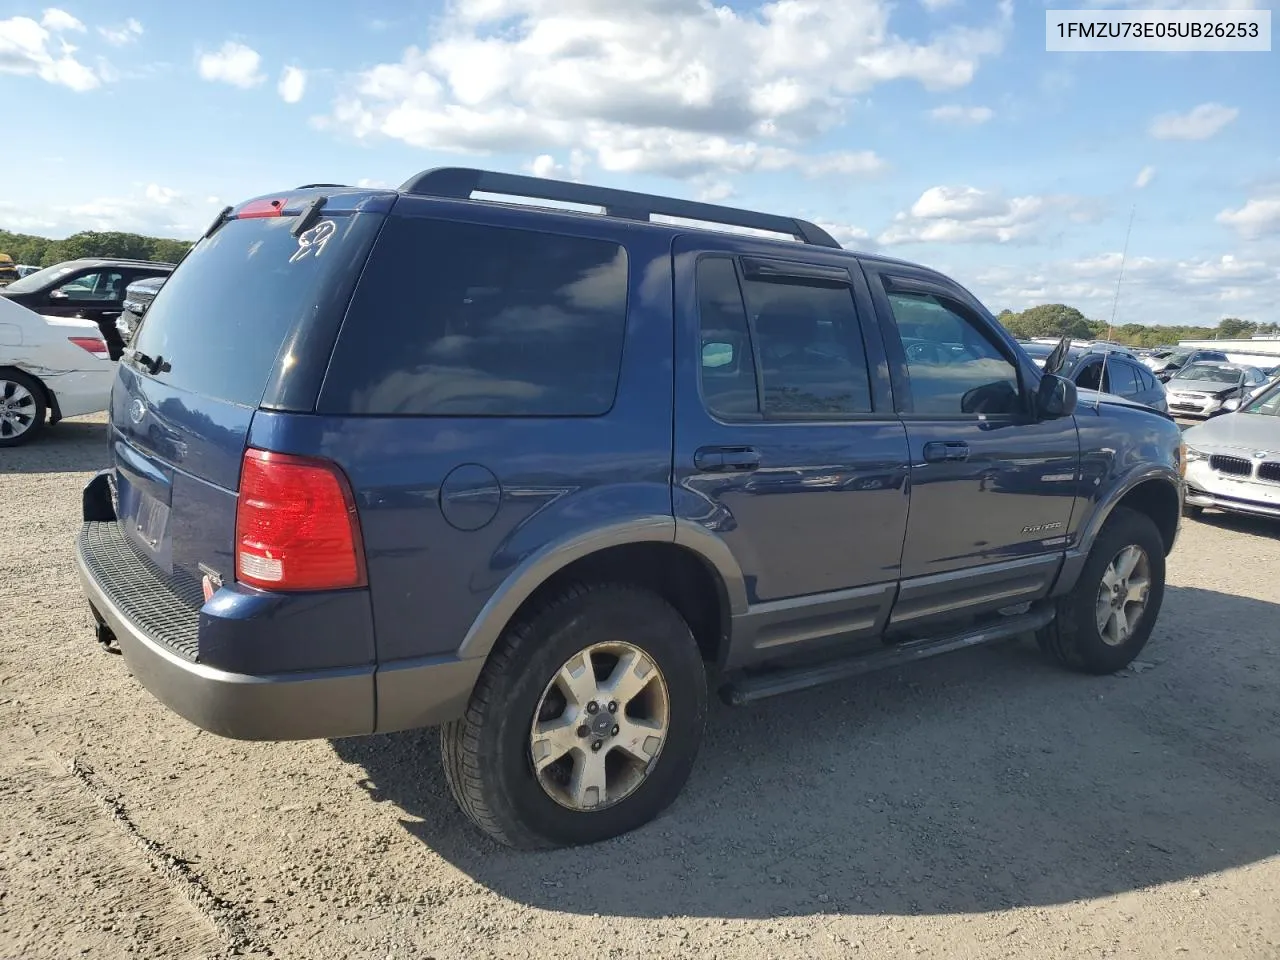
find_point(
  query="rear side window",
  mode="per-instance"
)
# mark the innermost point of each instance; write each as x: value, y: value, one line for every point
x: 221, y: 318
x: 456, y: 319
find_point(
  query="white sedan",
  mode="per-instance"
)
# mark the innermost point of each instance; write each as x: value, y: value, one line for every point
x: 50, y: 368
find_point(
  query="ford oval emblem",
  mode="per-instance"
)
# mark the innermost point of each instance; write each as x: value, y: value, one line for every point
x: 137, y: 410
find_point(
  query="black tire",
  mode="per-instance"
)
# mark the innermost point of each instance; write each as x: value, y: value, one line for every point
x: 487, y: 756
x: 1073, y: 638
x: 30, y: 417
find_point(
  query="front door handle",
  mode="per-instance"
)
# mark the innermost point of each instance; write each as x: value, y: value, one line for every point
x: 721, y: 459
x: 939, y: 451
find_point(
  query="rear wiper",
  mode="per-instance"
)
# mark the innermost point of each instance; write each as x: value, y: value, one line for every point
x: 218, y: 221
x: 153, y: 366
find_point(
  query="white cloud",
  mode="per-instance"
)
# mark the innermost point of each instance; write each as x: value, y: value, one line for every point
x: 1145, y: 176
x: 849, y: 236
x: 293, y: 84
x: 1200, y: 123
x: 1176, y: 4
x: 547, y: 166
x: 150, y: 209
x: 964, y: 116
x: 937, y: 4
x: 233, y: 63
x: 947, y: 214
x: 26, y: 49
x: 123, y: 35
x: 1258, y: 217
x: 679, y: 88
x: 1154, y: 290
x: 59, y: 21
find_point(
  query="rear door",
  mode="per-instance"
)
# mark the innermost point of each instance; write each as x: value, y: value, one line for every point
x: 992, y: 489
x: 226, y: 329
x: 787, y: 447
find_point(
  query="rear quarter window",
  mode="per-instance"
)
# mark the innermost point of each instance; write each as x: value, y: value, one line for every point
x: 455, y: 319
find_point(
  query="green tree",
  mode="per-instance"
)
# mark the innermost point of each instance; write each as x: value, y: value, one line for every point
x: 1229, y: 328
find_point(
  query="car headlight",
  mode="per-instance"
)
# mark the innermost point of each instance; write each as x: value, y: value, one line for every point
x: 1191, y: 454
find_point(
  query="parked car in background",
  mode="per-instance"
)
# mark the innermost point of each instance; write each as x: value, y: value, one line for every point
x: 1119, y: 374
x: 8, y: 270
x: 137, y: 298
x: 1166, y: 368
x: 1233, y: 461
x: 1202, y: 389
x: 553, y: 434
x: 90, y: 288
x: 50, y: 368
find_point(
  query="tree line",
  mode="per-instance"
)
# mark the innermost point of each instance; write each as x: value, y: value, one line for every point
x: 1060, y: 320
x: 43, y: 252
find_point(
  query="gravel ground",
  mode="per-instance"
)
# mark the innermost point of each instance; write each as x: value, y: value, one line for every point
x: 984, y: 804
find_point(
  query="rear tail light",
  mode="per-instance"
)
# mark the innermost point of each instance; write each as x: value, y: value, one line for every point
x: 95, y: 345
x: 296, y: 525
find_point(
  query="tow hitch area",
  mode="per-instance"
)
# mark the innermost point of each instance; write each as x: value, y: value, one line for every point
x: 102, y: 633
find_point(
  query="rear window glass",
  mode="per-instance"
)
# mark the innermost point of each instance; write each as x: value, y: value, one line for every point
x: 221, y: 317
x: 467, y: 320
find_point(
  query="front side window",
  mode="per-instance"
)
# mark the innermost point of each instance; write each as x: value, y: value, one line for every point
x: 98, y: 287
x: 953, y: 367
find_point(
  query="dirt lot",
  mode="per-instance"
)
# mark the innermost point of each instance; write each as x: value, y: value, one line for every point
x: 984, y: 804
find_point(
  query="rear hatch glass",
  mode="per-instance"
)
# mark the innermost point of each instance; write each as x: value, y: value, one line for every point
x: 223, y: 330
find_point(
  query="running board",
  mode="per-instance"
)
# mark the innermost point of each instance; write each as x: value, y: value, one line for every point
x: 749, y: 689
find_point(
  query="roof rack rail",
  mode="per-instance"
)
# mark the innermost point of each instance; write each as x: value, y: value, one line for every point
x: 459, y: 183
x: 312, y: 186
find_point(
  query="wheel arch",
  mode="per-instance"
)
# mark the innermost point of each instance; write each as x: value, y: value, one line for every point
x: 50, y: 399
x: 691, y: 568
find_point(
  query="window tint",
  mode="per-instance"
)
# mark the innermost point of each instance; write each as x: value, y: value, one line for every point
x: 728, y: 368
x: 466, y: 320
x: 222, y: 316
x: 954, y: 368
x: 810, y: 347
x: 1145, y: 379
x: 1124, y: 379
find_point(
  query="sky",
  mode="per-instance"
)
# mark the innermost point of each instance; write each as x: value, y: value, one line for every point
x: 936, y: 131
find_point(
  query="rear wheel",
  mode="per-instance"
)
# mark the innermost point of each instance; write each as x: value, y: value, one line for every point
x: 22, y: 407
x: 1108, y: 617
x: 585, y: 722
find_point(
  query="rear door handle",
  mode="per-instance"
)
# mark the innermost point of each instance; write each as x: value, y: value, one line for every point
x: 939, y: 451
x: 720, y: 459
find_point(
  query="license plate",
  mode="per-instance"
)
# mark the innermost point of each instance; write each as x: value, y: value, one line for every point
x: 150, y: 521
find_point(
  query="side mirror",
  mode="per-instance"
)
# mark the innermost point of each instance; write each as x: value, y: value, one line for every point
x: 715, y: 354
x: 1057, y: 356
x: 1056, y: 398
x: 1231, y: 405
x: 59, y: 295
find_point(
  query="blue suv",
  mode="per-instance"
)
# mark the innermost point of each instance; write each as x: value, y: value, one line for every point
x: 386, y: 459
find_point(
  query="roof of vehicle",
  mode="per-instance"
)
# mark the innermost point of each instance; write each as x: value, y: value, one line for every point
x: 147, y: 282
x: 643, y: 210
x: 114, y: 262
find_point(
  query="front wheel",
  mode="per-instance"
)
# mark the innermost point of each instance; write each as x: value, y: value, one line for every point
x: 585, y: 721
x: 1108, y: 617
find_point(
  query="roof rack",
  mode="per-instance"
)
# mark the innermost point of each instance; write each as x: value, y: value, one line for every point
x: 312, y: 186
x: 459, y: 183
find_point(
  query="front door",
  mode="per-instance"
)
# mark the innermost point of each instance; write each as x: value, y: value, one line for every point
x: 787, y: 447
x: 992, y: 488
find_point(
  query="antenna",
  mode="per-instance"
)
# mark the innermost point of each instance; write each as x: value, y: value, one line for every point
x: 1111, y: 325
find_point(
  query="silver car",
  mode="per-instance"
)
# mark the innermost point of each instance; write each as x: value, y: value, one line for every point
x: 1200, y: 390
x: 1233, y: 461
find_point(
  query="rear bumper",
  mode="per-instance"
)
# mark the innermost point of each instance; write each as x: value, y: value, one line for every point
x: 161, y: 635
x: 328, y: 703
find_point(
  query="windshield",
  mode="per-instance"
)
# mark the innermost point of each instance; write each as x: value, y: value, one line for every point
x: 1211, y: 374
x: 34, y: 281
x: 1267, y: 404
